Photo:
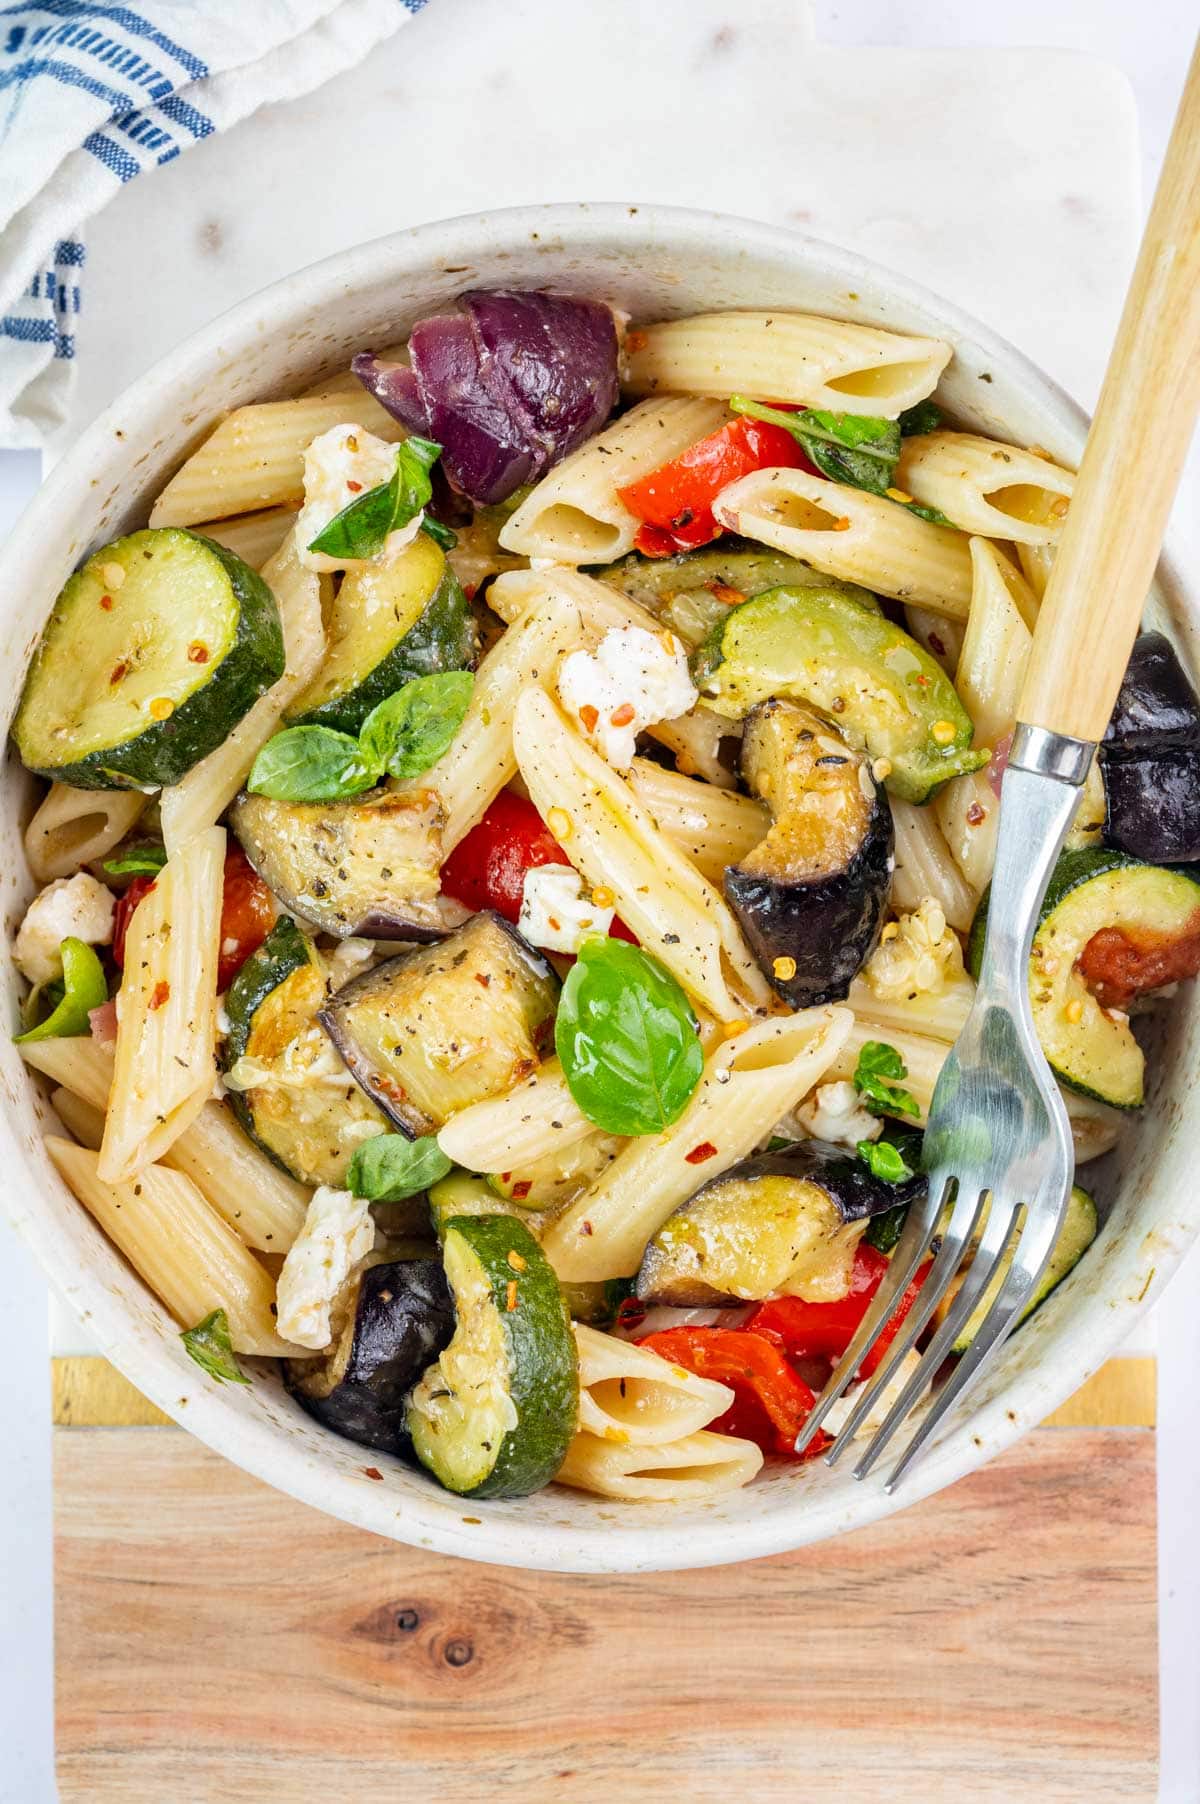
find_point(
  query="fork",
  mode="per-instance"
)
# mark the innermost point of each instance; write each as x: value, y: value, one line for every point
x: 998, y: 1151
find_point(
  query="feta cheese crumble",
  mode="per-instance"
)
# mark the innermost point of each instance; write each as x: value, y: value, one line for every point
x: 632, y: 680
x: 338, y: 1231
x: 339, y: 467
x: 75, y: 908
x: 834, y: 1113
x: 556, y: 912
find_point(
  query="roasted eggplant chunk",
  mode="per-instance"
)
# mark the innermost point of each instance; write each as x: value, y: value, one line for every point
x: 810, y: 896
x: 784, y: 1224
x: 1151, y: 759
x: 435, y: 1029
x: 392, y: 1320
x: 366, y: 866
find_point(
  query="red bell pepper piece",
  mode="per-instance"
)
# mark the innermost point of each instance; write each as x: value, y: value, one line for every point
x: 674, y: 502
x: 771, y: 1401
x: 824, y: 1330
x: 126, y: 902
x: 247, y: 915
x: 487, y: 868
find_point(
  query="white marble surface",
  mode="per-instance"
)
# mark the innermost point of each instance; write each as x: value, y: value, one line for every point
x: 1007, y: 181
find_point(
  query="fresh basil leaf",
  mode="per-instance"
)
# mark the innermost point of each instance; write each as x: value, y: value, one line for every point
x: 445, y: 536
x: 209, y: 1345
x: 411, y: 730
x: 934, y: 515
x: 145, y: 859
x: 853, y: 469
x: 883, y: 1231
x: 84, y: 987
x: 924, y: 416
x: 627, y: 1039
x: 857, y: 449
x: 876, y: 1078
x: 311, y: 764
x: 361, y: 529
x: 855, y: 431
x: 884, y: 1160
x: 391, y: 1167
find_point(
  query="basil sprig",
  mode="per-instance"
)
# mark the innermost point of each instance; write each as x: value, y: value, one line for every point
x: 402, y: 737
x: 209, y: 1345
x: 146, y: 859
x: 84, y: 987
x: 877, y: 1080
x: 856, y: 449
x: 627, y: 1039
x: 883, y: 1160
x: 361, y: 529
x: 391, y: 1167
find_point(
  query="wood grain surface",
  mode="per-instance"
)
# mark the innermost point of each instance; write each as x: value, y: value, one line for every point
x: 218, y: 1642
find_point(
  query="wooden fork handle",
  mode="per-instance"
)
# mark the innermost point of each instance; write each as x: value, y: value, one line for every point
x: 1131, y: 466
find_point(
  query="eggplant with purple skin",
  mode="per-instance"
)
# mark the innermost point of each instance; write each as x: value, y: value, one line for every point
x: 810, y: 896
x: 1151, y: 759
x: 367, y: 866
x: 783, y: 1224
x: 391, y: 1320
x: 507, y: 384
x: 441, y: 1027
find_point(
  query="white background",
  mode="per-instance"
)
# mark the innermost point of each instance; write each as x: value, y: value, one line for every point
x: 479, y: 104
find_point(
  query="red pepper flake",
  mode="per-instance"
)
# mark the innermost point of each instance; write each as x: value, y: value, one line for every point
x: 484, y: 979
x: 636, y: 341
x: 631, y: 1313
x: 586, y: 1229
x: 372, y: 1472
x: 937, y: 645
x: 118, y: 672
x: 683, y: 519
x: 621, y: 717
x: 521, y: 1189
x: 731, y: 597
x: 589, y: 716
x: 469, y: 591
x: 197, y: 653
x: 160, y: 994
x: 510, y: 1295
x: 975, y: 814
x: 698, y: 1154
x: 354, y: 487
x: 106, y: 602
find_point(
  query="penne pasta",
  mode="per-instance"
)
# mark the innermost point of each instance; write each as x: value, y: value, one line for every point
x: 923, y: 1057
x: 78, y: 1063
x: 698, y: 1467
x: 166, y: 1009
x: 179, y: 1246
x: 79, y: 1118
x: 612, y: 840
x: 714, y: 827
x: 858, y: 537
x: 505, y: 1133
x: 631, y: 1396
x: 941, y: 636
x: 749, y: 1083
x: 252, y: 537
x: 985, y: 486
x: 574, y: 514
x: 481, y: 759
x: 924, y: 867
x: 938, y: 1013
x: 261, y: 1203
x: 1035, y: 562
x: 193, y: 805
x: 74, y: 827
x: 254, y: 459
x: 996, y: 644
x: 794, y: 357
x: 968, y: 815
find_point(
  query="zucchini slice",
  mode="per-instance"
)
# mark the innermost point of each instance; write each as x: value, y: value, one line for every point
x: 388, y: 624
x: 884, y: 690
x: 441, y: 1027
x: 155, y: 650
x: 369, y: 865
x: 1074, y: 1238
x: 694, y: 591
x: 303, y: 1110
x: 461, y: 1194
x: 494, y: 1415
x: 1110, y: 929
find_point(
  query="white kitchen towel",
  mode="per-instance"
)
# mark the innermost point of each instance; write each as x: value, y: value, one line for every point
x: 94, y: 94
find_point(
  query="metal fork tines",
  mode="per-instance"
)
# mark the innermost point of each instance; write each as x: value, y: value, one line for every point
x: 998, y: 1147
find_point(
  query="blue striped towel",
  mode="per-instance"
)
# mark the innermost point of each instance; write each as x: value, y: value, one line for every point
x: 92, y: 95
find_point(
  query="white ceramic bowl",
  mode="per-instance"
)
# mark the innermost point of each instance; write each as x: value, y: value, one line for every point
x: 654, y: 262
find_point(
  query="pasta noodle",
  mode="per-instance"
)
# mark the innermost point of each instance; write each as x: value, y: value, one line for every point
x: 968, y: 814
x: 938, y: 1013
x: 210, y: 786
x: 693, y: 1469
x: 1035, y: 561
x: 714, y: 827
x: 632, y: 1396
x: 74, y: 827
x: 191, y: 1259
x: 924, y: 867
x: 985, y: 486
x: 941, y: 637
x: 796, y: 357
x: 79, y: 1064
x: 675, y: 913
x: 254, y: 458
x: 505, y: 1133
x: 858, y: 537
x: 79, y: 1118
x: 749, y: 1083
x: 996, y: 645
x: 575, y: 514
x: 252, y: 537
x: 166, y: 1009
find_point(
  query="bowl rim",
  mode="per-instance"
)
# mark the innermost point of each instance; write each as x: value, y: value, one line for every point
x: 257, y: 1445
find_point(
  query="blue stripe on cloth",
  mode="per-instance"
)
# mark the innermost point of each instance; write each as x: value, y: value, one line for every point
x: 122, y: 16
x: 181, y: 112
x: 112, y: 156
x: 71, y: 76
x: 143, y: 132
x: 64, y: 345
x: 68, y: 252
x: 27, y: 331
x: 114, y: 57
